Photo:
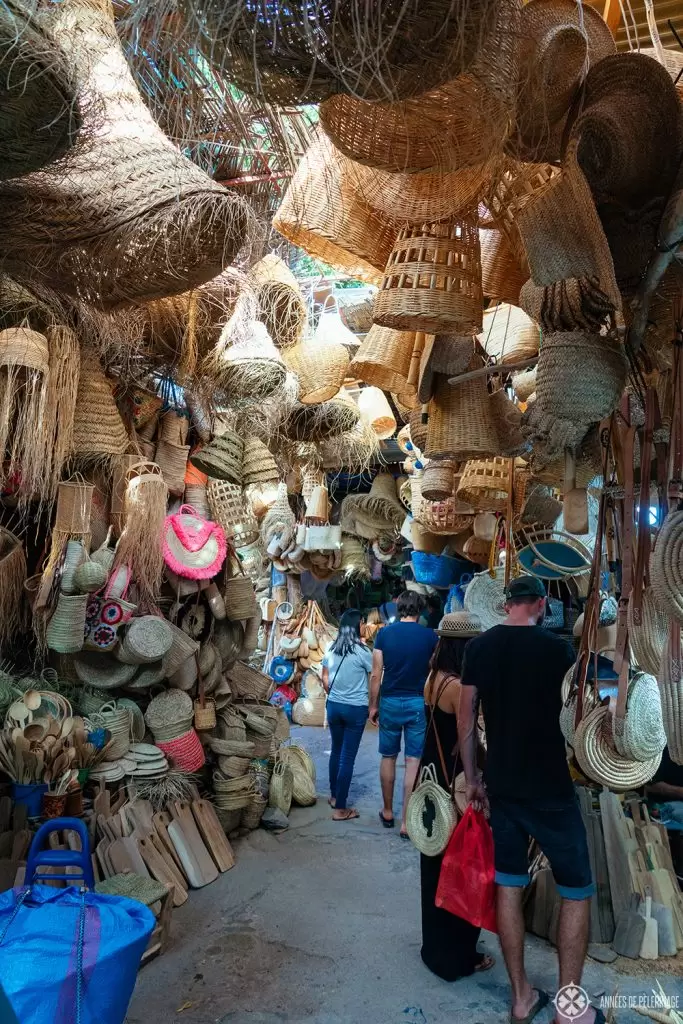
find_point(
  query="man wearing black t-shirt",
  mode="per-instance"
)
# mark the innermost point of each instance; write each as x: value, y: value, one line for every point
x: 515, y: 672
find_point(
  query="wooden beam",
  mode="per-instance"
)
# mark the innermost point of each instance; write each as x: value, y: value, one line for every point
x: 611, y: 15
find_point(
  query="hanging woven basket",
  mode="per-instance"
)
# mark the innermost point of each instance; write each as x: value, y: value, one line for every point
x: 643, y: 737
x: 580, y: 377
x: 485, y: 485
x: 384, y: 358
x: 432, y: 280
x: 461, y: 424
x: 320, y: 370
x: 599, y: 760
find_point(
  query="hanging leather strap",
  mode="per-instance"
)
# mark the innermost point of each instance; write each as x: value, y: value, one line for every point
x: 643, y: 548
x: 431, y: 725
x: 675, y: 490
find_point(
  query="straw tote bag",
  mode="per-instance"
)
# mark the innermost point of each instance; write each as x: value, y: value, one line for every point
x: 105, y: 614
x: 431, y: 815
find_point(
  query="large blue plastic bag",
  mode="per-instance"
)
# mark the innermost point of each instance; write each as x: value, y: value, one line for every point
x: 49, y: 937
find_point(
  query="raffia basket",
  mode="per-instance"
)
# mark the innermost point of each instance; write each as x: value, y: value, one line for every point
x: 580, y: 377
x: 509, y: 335
x: 253, y: 812
x: 281, y: 787
x: 98, y: 429
x: 239, y: 597
x: 384, y: 358
x: 461, y: 424
x: 320, y: 370
x: 66, y: 627
x: 171, y: 458
x: 229, y: 510
x: 599, y: 760
x: 667, y: 571
x: 321, y: 214
x: 648, y: 637
x: 643, y: 736
x: 438, y: 480
x: 432, y: 280
x: 485, y: 485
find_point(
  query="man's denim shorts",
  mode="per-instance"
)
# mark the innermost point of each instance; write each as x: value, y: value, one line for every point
x: 557, y: 827
x: 402, y: 714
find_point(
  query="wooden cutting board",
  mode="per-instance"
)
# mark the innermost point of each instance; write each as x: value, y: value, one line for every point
x: 213, y: 835
x: 160, y: 869
x: 162, y: 819
x: 188, y: 859
x: 140, y: 816
x: 124, y: 856
x: 182, y: 813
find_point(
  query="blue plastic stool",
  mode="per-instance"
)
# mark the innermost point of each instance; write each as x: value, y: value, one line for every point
x: 40, y: 857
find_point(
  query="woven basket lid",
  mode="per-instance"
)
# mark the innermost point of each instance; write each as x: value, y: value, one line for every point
x: 40, y: 116
x: 124, y: 196
x: 98, y: 428
x: 559, y: 41
x: 321, y: 214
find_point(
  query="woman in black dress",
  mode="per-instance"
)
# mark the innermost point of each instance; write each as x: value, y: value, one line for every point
x: 449, y: 944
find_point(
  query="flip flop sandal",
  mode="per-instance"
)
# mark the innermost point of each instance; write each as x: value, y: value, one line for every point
x: 485, y: 964
x: 387, y: 822
x: 541, y: 1002
x: 404, y: 835
x: 347, y: 817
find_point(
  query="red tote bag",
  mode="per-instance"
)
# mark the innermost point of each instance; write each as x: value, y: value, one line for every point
x: 467, y: 885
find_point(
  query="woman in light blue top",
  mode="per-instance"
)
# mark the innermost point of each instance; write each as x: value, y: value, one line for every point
x: 346, y: 668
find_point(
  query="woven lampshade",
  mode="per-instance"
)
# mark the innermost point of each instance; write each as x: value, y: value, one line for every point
x: 502, y: 272
x: 509, y: 335
x: 280, y: 303
x: 461, y: 425
x: 460, y: 124
x: 124, y: 198
x: 258, y: 464
x: 98, y: 428
x: 320, y: 368
x: 444, y: 355
x: 376, y: 412
x: 514, y: 186
x: 432, y: 280
x: 384, y: 358
x: 485, y: 485
x: 321, y: 214
x: 229, y: 509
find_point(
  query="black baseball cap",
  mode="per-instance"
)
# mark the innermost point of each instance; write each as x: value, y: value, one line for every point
x: 525, y: 586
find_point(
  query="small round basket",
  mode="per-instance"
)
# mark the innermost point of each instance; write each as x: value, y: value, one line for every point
x: 429, y: 802
x: 599, y: 760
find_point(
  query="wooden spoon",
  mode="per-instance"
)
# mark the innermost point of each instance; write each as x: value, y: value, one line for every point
x: 67, y: 727
x: 34, y: 732
x: 32, y: 700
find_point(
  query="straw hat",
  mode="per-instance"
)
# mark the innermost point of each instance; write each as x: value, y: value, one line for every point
x: 460, y: 124
x: 321, y: 214
x: 98, y: 427
x: 559, y: 40
x: 459, y: 624
x: 124, y: 196
x: 193, y: 547
x: 40, y: 117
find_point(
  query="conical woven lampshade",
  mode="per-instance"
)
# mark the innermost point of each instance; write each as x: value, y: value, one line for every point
x: 125, y: 217
x: 98, y: 428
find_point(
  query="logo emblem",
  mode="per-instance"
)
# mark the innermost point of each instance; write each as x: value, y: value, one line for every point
x: 571, y: 1001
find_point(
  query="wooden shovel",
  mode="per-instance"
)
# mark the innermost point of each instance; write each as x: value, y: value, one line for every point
x: 575, y: 498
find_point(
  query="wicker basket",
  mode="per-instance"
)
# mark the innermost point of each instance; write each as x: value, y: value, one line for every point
x: 320, y: 370
x: 509, y: 335
x: 432, y: 280
x: 514, y: 187
x: 321, y: 214
x: 239, y: 597
x: 250, y: 683
x: 258, y: 464
x: 485, y: 485
x: 502, y: 271
x: 376, y: 412
x: 74, y: 506
x: 66, y: 628
x: 461, y: 424
x: 253, y: 812
x: 418, y: 429
x: 229, y: 510
x: 384, y: 358
x: 580, y: 377
x: 281, y: 786
x: 438, y: 480
x: 171, y: 459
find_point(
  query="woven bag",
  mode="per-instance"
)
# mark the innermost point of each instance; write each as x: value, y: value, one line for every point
x: 281, y: 786
x: 239, y: 597
x: 643, y: 737
x: 667, y: 572
x: 599, y: 760
x: 429, y: 802
x: 670, y: 681
x: 432, y: 280
x: 648, y: 637
x: 171, y: 458
x: 580, y: 377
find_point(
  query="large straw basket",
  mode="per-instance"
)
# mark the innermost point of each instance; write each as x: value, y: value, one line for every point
x: 98, y: 428
x: 74, y: 505
x: 280, y: 302
x: 509, y: 335
x: 248, y: 682
x: 320, y: 370
x: 229, y: 510
x: 124, y: 199
x: 384, y: 358
x: 599, y: 760
x: 580, y: 377
x: 485, y: 485
x: 502, y: 272
x: 321, y: 214
x: 432, y: 280
x: 461, y: 424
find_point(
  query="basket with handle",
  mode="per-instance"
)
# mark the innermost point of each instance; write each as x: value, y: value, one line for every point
x: 485, y: 484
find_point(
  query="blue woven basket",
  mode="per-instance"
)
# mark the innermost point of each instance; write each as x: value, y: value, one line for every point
x: 434, y: 570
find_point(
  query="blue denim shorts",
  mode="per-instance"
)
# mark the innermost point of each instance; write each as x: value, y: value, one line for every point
x: 557, y: 827
x: 402, y: 714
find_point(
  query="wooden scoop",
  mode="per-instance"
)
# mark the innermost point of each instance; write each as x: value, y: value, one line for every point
x: 575, y: 498
x: 32, y: 700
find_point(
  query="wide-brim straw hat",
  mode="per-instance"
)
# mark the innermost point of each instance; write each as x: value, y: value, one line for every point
x: 559, y: 41
x: 463, y: 123
x: 384, y: 358
x: 98, y: 428
x: 280, y: 303
x: 125, y: 198
x: 444, y: 355
x: 459, y: 624
x: 461, y: 424
x: 321, y: 214
x: 40, y: 116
